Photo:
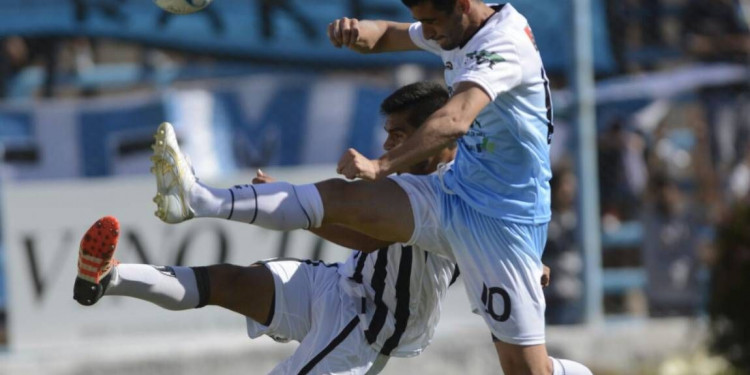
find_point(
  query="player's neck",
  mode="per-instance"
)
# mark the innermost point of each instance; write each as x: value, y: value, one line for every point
x: 478, y: 15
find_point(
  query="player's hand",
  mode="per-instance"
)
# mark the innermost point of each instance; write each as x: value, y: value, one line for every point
x: 354, y: 165
x: 545, y: 276
x: 262, y: 178
x: 344, y: 32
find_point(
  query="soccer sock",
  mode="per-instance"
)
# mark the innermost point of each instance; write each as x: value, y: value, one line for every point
x: 567, y: 367
x: 276, y: 205
x: 173, y: 288
x: 207, y: 201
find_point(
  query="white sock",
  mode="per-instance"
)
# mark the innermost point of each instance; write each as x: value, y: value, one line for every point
x: 567, y: 367
x: 207, y: 201
x: 276, y: 205
x: 173, y: 288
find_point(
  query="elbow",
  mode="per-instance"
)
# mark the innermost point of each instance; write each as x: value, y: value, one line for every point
x: 450, y: 125
x: 457, y: 129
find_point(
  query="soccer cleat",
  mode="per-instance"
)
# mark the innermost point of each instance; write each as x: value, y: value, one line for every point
x: 174, y: 177
x: 95, y: 260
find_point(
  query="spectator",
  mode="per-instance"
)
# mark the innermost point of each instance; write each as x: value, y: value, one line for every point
x: 675, y: 236
x: 739, y: 182
x: 716, y: 31
x: 13, y: 56
x: 562, y: 253
x: 620, y: 169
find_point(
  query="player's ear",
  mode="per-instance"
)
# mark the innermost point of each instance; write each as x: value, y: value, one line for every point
x: 463, y: 6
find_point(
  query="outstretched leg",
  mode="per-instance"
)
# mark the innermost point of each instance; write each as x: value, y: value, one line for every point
x: 245, y: 290
x: 380, y: 209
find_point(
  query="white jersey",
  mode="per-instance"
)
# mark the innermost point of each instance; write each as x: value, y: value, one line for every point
x: 502, y: 166
x: 400, y: 288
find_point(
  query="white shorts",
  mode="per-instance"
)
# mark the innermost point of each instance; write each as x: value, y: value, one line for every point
x: 310, y: 308
x: 499, y: 260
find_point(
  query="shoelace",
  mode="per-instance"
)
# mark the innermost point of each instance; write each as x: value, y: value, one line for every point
x: 165, y: 167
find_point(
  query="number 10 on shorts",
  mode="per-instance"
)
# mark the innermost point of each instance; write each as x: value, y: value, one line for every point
x: 488, y: 301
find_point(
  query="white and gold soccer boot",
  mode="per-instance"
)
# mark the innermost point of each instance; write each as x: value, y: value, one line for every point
x: 174, y: 177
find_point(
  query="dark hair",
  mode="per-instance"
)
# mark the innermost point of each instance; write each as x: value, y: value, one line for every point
x: 421, y: 99
x: 445, y: 6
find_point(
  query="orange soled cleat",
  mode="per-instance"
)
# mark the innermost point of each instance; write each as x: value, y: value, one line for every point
x: 96, y: 260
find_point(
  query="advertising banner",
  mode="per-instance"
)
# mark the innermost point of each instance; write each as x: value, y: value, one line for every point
x: 43, y: 226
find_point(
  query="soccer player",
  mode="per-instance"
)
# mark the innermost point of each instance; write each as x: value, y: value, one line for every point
x: 488, y: 211
x: 349, y: 317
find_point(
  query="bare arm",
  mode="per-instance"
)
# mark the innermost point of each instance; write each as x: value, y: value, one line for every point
x: 370, y: 36
x: 444, y: 126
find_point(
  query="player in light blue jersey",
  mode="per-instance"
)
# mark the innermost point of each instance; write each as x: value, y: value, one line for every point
x: 488, y: 211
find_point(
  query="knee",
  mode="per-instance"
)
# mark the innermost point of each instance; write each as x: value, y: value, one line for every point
x: 223, y: 279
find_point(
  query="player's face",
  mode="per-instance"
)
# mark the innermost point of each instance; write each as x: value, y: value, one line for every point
x: 399, y: 130
x: 447, y: 29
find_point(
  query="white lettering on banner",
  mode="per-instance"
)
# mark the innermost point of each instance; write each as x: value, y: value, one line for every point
x: 43, y: 225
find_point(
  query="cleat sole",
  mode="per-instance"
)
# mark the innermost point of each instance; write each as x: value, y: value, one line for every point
x: 95, y: 260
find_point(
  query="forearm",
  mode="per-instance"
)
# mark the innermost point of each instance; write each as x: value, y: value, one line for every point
x: 349, y: 238
x: 370, y: 34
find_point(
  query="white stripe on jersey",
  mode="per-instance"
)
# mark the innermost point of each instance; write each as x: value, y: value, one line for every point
x: 401, y: 288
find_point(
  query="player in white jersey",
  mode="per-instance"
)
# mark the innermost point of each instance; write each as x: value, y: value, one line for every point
x: 489, y: 211
x: 349, y: 317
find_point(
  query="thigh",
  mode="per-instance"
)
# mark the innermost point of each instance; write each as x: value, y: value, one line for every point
x: 245, y: 290
x: 297, y: 287
x: 379, y: 209
x: 426, y: 199
x: 501, y: 268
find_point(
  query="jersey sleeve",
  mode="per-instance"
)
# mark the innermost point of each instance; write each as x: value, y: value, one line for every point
x: 492, y: 63
x: 416, y: 35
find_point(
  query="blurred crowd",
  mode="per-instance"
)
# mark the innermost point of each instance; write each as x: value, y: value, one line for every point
x: 669, y: 168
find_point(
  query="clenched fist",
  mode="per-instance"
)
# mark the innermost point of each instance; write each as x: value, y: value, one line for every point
x: 344, y: 32
x: 354, y: 165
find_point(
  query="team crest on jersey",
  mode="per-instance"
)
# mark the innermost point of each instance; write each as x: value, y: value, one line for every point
x: 448, y: 65
x: 484, y: 57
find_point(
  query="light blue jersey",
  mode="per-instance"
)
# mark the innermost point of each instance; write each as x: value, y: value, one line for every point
x: 502, y: 168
